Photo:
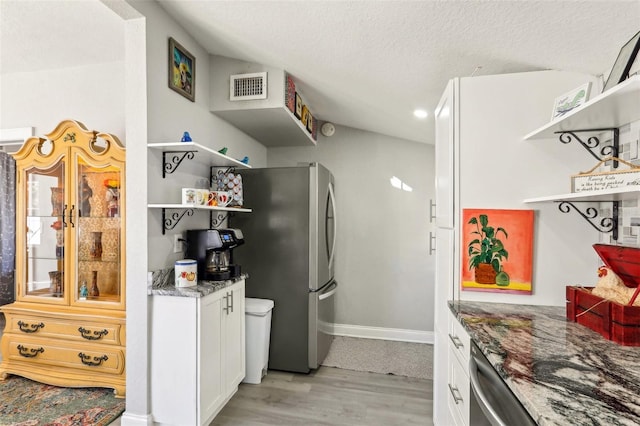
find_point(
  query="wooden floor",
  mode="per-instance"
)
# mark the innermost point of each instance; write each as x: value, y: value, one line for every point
x: 330, y: 396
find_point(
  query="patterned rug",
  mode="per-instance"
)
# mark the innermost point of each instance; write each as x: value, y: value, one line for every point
x: 27, y: 403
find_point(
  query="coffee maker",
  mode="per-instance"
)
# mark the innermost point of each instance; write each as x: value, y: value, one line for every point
x: 212, y: 249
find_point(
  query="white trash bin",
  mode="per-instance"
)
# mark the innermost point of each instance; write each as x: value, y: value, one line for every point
x: 257, y: 333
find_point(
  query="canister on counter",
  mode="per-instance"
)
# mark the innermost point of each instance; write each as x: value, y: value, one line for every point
x: 186, y: 273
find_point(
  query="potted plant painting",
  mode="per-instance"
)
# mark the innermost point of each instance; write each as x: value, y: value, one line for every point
x: 486, y: 252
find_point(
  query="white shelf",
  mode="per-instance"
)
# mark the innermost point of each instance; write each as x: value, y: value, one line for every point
x: 274, y: 126
x: 205, y: 155
x: 616, y: 194
x: 189, y: 206
x: 614, y: 108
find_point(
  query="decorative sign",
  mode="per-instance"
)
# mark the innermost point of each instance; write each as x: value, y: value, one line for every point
x: 600, y: 181
x: 589, y: 181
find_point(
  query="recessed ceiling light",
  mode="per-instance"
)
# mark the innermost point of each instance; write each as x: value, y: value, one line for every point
x: 420, y: 113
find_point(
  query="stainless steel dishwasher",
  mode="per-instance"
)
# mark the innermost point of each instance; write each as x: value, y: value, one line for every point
x: 494, y: 403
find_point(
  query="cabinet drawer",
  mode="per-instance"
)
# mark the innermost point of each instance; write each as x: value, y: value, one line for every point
x: 458, y: 387
x: 76, y: 330
x: 99, y: 358
x: 459, y: 340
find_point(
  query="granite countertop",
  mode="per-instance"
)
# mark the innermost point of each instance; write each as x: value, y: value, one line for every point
x: 562, y: 372
x: 162, y: 284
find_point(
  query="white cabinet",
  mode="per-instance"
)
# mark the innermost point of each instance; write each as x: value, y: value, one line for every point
x: 458, y: 383
x: 445, y: 149
x: 198, y: 355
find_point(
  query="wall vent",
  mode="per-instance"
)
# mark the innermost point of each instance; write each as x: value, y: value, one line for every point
x: 244, y: 87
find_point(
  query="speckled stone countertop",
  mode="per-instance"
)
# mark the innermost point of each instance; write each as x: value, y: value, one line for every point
x: 162, y: 284
x: 562, y: 372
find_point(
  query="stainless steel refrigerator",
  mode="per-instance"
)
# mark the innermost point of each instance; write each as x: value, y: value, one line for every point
x: 289, y: 254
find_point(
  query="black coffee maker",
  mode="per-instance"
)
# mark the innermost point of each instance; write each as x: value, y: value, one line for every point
x: 212, y: 249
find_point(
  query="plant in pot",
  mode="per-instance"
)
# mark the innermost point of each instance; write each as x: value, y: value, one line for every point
x: 486, y: 252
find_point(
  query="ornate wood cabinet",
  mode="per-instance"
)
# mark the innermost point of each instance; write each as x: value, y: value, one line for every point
x: 67, y: 326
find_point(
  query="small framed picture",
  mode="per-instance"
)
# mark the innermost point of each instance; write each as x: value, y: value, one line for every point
x: 298, y: 110
x: 623, y: 63
x: 571, y: 100
x: 182, y: 70
x: 305, y: 115
x: 309, y: 122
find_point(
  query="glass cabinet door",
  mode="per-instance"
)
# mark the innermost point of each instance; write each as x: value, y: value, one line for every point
x: 46, y: 210
x: 98, y: 236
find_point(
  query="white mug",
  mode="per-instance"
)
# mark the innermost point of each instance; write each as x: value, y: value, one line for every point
x: 224, y: 198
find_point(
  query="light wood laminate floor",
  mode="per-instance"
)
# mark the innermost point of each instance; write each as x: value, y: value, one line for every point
x: 330, y: 396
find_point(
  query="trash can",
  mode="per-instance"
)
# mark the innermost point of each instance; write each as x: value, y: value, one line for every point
x: 257, y: 334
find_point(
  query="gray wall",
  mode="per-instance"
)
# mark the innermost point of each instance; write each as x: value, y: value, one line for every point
x: 383, y: 266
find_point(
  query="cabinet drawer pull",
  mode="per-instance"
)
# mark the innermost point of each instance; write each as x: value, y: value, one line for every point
x: 97, y: 360
x: 30, y: 328
x: 231, y: 305
x: 457, y: 398
x: 29, y: 352
x: 456, y: 341
x: 95, y: 335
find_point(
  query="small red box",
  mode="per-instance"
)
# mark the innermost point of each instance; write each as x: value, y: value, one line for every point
x: 616, y: 322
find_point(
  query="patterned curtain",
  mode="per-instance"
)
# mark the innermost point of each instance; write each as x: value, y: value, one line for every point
x: 7, y: 227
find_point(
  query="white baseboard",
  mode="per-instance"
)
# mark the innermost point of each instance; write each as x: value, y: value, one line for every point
x: 401, y: 335
x: 129, y: 419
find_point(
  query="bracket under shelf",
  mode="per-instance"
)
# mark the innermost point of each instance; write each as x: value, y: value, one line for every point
x: 606, y: 224
x: 215, y: 220
x: 168, y: 223
x: 176, y: 160
x: 592, y: 143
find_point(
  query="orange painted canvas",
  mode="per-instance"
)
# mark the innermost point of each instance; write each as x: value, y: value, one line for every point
x: 497, y: 250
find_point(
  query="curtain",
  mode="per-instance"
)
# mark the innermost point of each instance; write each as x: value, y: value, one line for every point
x: 7, y: 227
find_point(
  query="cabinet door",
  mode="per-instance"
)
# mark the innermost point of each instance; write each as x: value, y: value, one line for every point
x: 234, y: 347
x: 98, y: 236
x: 445, y: 154
x: 210, y: 367
x: 42, y: 233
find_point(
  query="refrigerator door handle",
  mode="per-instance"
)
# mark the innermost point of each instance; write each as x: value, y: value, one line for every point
x: 335, y: 224
x: 331, y: 290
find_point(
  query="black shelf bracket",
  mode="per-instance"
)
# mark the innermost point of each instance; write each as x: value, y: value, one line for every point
x: 171, y: 165
x: 168, y: 223
x: 606, y: 224
x: 592, y: 143
x: 216, y: 219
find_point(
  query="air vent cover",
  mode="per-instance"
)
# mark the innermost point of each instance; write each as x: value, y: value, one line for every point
x: 244, y: 87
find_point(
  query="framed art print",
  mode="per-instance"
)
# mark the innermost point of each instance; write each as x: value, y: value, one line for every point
x: 623, y: 63
x: 497, y: 250
x: 182, y: 70
x: 298, y: 110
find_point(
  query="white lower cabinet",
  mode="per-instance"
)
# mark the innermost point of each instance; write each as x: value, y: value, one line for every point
x: 197, y: 355
x: 458, y: 382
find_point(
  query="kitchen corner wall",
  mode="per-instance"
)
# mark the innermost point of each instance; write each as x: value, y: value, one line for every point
x: 169, y: 116
x: 383, y: 266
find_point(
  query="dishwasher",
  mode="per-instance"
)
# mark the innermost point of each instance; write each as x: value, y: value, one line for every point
x: 492, y: 401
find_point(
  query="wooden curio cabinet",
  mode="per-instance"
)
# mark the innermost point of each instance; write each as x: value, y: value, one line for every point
x: 67, y: 326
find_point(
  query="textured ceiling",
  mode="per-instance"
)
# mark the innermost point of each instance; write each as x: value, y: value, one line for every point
x: 364, y: 64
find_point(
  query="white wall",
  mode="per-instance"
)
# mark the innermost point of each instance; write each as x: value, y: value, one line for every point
x: 498, y: 169
x: 169, y: 116
x: 91, y: 94
x: 383, y: 266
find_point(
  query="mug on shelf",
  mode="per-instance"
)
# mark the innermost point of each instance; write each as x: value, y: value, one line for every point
x: 223, y: 197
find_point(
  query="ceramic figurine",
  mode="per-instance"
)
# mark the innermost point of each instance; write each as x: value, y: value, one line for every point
x: 245, y: 160
x: 186, y: 137
x: 223, y: 151
x: 84, y: 291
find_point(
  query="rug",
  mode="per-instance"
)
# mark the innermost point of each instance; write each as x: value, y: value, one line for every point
x: 381, y: 356
x: 24, y: 402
